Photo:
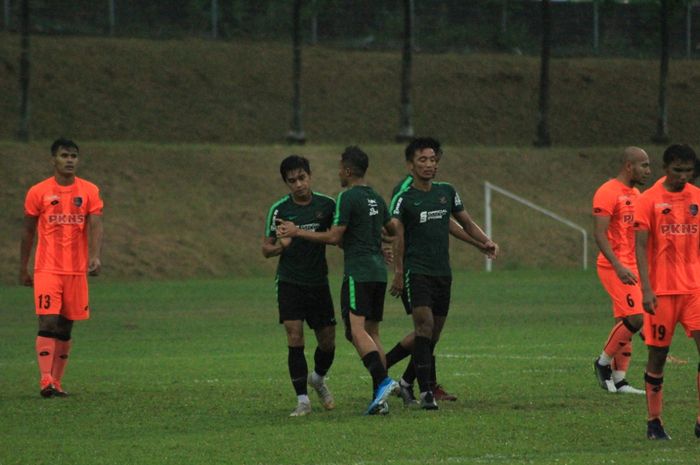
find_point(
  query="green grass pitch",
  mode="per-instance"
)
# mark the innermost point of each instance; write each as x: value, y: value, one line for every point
x: 194, y: 372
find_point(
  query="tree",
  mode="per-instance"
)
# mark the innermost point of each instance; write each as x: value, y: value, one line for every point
x: 543, y: 139
x: 24, y: 62
x: 661, y: 135
x: 296, y: 133
x: 405, y: 125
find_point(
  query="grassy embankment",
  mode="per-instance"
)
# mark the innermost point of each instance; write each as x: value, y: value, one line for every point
x: 176, y: 211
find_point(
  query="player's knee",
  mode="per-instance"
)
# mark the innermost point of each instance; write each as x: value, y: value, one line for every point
x: 633, y: 322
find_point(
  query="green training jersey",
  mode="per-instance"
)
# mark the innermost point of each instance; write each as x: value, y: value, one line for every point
x: 426, y: 220
x: 303, y: 262
x: 363, y: 212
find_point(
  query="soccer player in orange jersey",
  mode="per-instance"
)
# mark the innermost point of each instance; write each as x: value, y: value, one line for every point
x: 667, y: 224
x: 613, y: 215
x: 65, y: 212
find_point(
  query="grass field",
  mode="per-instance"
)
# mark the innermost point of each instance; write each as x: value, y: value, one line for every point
x: 194, y: 372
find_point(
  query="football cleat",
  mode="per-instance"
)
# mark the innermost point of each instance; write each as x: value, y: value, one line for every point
x: 406, y: 393
x: 384, y: 390
x: 623, y: 387
x: 427, y: 401
x: 382, y: 408
x: 46, y: 387
x: 697, y: 430
x: 655, y: 430
x: 302, y: 409
x: 603, y: 374
x: 440, y: 394
x: 58, y: 390
x: 324, y: 394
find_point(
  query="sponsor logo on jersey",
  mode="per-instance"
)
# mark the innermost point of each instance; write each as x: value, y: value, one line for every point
x: 319, y: 215
x: 66, y: 219
x: 310, y: 226
x: 628, y: 218
x: 694, y: 209
x: 458, y: 201
x: 443, y: 200
x: 373, y: 210
x: 679, y: 229
x: 432, y: 215
x: 77, y: 201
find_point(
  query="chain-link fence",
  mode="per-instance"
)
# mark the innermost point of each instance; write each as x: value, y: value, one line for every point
x: 601, y: 27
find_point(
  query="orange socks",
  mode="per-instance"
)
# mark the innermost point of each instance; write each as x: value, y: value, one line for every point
x: 654, y: 383
x: 619, y: 337
x: 60, y: 359
x: 45, y: 350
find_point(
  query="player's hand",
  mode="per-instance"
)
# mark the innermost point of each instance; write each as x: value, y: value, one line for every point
x: 94, y: 267
x: 388, y: 254
x: 397, y: 285
x: 626, y: 275
x: 490, y: 249
x: 649, y: 302
x: 285, y: 228
x: 25, y: 279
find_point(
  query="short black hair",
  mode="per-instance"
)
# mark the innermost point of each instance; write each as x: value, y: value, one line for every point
x: 679, y: 152
x: 421, y: 143
x: 354, y: 159
x: 65, y: 143
x: 294, y: 162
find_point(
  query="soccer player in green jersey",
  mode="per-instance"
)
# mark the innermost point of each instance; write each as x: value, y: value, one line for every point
x: 303, y: 293
x: 404, y: 348
x: 422, y: 213
x: 360, y: 215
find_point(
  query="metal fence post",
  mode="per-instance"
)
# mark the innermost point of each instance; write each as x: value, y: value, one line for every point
x: 112, y: 16
x: 214, y: 19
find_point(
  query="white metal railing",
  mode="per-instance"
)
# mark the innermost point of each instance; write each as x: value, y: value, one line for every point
x: 488, y: 188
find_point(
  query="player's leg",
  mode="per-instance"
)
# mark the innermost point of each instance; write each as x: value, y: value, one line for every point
x: 64, y: 328
x: 696, y: 337
x: 48, y: 295
x: 658, y: 334
x: 291, y: 303
x: 442, y: 296
x: 296, y: 363
x: 423, y: 326
x: 616, y: 352
x: 404, y: 347
x: 623, y: 356
x: 401, y: 350
x: 323, y: 359
x: 75, y: 307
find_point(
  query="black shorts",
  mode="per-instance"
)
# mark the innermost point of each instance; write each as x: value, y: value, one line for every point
x: 311, y: 303
x: 364, y: 299
x: 427, y: 291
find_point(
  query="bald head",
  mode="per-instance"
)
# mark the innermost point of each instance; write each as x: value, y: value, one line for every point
x: 633, y: 154
x: 635, y: 167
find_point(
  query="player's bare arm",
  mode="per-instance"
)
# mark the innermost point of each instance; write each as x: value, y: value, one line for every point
x: 333, y: 236
x: 387, y: 247
x: 601, y: 224
x: 95, y: 232
x: 396, y: 228
x: 640, y: 250
x: 26, y: 244
x: 458, y: 232
x: 273, y: 247
x: 491, y: 249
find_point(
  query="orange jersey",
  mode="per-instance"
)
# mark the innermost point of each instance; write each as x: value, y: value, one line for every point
x: 616, y: 200
x: 62, y: 213
x: 673, y: 245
